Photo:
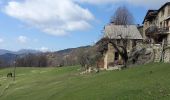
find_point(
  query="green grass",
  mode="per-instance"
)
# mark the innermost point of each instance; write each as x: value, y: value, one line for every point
x: 67, y: 84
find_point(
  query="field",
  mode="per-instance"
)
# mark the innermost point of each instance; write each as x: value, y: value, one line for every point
x: 147, y: 82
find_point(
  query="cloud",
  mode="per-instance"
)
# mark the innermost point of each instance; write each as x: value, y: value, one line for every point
x: 55, y: 17
x: 44, y: 49
x: 99, y: 1
x: 22, y: 39
x: 143, y: 3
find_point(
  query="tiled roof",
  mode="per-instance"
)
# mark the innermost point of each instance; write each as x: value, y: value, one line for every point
x: 128, y: 31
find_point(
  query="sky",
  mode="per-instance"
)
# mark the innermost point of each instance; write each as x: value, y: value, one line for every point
x: 51, y: 25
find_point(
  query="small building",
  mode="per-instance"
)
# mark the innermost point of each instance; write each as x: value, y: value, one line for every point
x: 156, y: 25
x: 156, y: 30
x: 119, y: 33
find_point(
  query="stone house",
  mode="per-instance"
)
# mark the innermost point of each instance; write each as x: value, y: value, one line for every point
x: 156, y: 30
x: 116, y: 33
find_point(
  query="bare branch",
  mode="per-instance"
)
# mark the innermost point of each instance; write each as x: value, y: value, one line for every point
x: 122, y: 16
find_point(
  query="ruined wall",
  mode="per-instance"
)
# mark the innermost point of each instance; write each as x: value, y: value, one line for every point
x: 100, y: 63
x: 145, y: 26
x: 168, y: 39
x: 109, y: 57
x: 105, y: 60
x: 167, y: 55
x: 158, y: 52
x: 129, y: 46
x: 109, y: 61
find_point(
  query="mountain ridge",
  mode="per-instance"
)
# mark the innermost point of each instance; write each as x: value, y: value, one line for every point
x: 22, y: 51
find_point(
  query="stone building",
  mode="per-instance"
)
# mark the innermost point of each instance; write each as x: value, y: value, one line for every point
x: 156, y: 30
x: 129, y: 33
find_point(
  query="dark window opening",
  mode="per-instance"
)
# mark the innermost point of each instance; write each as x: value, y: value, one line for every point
x: 163, y: 11
x: 160, y: 38
x: 160, y: 24
x: 118, y: 42
x: 116, y: 56
x: 133, y: 43
x: 166, y: 23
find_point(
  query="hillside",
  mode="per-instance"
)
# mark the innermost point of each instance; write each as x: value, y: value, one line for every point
x: 2, y: 51
x: 7, y: 59
x: 62, y: 57
x: 20, y: 52
x: 66, y: 57
x: 147, y: 82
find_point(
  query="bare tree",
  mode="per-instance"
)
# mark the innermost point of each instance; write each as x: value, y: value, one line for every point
x: 122, y: 16
x: 89, y: 58
x: 32, y: 60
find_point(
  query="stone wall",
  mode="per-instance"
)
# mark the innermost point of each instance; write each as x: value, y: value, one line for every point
x: 167, y: 55
x: 109, y: 56
x: 141, y: 54
x: 129, y: 45
x: 158, y: 52
x: 168, y: 39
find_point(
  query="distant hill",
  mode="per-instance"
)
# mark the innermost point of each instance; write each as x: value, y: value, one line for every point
x: 66, y: 57
x: 3, y: 51
x: 7, y: 59
x: 57, y: 58
x: 27, y: 51
x: 22, y: 51
x: 8, y: 56
x: 71, y: 49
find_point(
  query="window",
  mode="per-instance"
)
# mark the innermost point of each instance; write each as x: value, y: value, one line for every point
x: 166, y: 23
x: 162, y: 12
x: 160, y: 24
x: 133, y: 43
x: 118, y: 42
x: 116, y: 56
x: 168, y: 10
x: 146, y: 24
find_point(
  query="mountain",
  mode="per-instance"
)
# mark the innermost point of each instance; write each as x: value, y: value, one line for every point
x: 27, y: 51
x: 22, y: 51
x: 66, y: 57
x: 66, y: 51
x: 3, y: 51
x: 63, y: 57
x: 7, y: 59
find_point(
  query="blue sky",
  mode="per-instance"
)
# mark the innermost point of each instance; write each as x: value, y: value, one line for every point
x: 60, y: 24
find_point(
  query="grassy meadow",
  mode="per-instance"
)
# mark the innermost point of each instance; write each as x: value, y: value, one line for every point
x: 146, y: 82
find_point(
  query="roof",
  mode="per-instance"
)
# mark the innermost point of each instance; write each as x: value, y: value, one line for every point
x: 140, y: 26
x: 167, y: 18
x: 153, y: 13
x: 168, y: 3
x: 150, y: 14
x: 128, y: 31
